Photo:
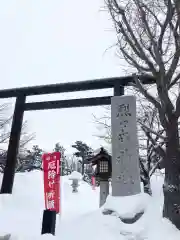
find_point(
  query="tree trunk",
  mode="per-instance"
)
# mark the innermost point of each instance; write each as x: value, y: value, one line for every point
x: 147, y: 186
x: 171, y: 186
x: 82, y: 165
x: 83, y: 168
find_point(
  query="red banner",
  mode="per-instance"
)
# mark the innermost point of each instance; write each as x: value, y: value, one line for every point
x: 93, y: 182
x: 51, y: 168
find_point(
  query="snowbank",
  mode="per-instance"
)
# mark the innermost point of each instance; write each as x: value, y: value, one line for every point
x: 21, y: 213
x: 81, y: 218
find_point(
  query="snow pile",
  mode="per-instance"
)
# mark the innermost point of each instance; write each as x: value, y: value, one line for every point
x: 75, y: 175
x: 127, y: 207
x: 91, y: 226
x: 81, y: 218
x: 163, y: 230
x: 21, y: 213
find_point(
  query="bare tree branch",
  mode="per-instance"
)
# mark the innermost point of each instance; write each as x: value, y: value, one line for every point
x: 147, y: 129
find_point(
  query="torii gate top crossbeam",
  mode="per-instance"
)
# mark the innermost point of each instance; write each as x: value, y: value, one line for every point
x: 73, y: 86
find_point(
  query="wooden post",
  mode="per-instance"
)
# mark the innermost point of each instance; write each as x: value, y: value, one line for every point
x: 9, y: 171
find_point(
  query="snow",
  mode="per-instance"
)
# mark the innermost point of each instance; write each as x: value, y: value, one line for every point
x: 96, y: 151
x: 81, y: 217
x: 131, y: 205
x: 75, y: 175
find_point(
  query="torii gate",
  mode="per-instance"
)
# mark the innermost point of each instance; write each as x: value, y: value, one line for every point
x: 117, y: 83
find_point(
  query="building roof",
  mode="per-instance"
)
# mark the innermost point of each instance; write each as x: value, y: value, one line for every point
x: 98, y: 154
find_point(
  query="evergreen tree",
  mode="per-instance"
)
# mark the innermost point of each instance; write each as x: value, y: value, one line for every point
x: 83, y: 150
x: 31, y: 160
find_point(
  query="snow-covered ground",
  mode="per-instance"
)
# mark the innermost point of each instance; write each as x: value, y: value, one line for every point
x: 81, y: 218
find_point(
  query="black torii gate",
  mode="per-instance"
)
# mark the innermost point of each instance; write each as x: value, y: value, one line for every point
x: 117, y: 83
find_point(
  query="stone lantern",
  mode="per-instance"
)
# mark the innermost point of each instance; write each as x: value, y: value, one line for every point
x: 75, y: 177
x: 103, y: 163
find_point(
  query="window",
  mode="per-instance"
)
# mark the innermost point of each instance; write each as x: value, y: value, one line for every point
x: 103, y: 167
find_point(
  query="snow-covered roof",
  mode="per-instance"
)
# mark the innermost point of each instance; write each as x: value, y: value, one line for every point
x: 98, y: 150
x: 75, y: 175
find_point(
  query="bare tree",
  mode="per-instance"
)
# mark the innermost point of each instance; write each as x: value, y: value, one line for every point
x: 148, y: 34
x: 151, y: 142
x: 103, y: 124
x: 26, y: 137
x: 5, y: 121
x: 5, y: 126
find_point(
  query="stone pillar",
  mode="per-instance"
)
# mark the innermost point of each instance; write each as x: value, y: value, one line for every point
x: 125, y: 155
x: 104, y: 192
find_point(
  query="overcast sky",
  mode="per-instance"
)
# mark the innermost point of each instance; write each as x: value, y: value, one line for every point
x: 52, y: 41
